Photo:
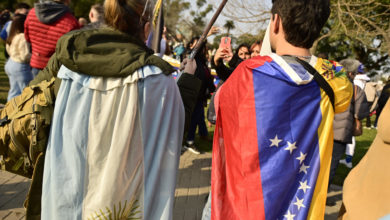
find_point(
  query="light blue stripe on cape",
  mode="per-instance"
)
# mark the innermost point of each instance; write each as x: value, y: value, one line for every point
x: 162, y: 121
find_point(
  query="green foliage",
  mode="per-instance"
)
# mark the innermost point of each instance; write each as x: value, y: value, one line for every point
x: 338, y: 46
x: 229, y: 25
x: 249, y: 39
x: 10, y: 4
x: 4, y: 81
x: 198, y: 23
x: 358, y: 29
x: 173, y: 14
x: 81, y: 8
x: 200, y: 3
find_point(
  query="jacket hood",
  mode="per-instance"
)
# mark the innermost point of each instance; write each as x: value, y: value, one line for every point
x: 106, y: 52
x: 48, y: 12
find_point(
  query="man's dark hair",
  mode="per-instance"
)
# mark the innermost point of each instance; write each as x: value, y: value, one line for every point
x: 302, y: 20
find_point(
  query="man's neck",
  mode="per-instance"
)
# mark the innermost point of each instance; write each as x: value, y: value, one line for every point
x: 288, y: 49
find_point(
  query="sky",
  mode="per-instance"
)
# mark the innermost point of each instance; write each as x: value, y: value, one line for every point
x: 240, y: 27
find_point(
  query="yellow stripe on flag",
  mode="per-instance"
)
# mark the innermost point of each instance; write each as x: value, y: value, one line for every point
x: 155, y: 12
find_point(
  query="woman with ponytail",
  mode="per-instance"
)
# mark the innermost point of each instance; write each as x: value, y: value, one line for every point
x: 117, y: 125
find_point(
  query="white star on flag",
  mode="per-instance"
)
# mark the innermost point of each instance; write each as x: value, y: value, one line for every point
x: 303, y: 168
x: 291, y: 147
x: 275, y: 141
x: 289, y: 216
x: 303, y: 186
x: 301, y: 158
x: 299, y: 203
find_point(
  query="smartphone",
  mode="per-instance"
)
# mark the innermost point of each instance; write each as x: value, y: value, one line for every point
x: 225, y: 42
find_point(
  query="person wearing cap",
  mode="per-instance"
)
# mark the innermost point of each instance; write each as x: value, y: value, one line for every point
x: 343, y: 125
x: 361, y: 78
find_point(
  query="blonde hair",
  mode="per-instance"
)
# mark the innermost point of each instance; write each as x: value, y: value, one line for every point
x: 128, y: 16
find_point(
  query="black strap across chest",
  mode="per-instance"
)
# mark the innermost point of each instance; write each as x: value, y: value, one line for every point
x: 319, y: 79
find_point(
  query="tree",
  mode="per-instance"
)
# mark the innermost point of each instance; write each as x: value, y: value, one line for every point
x: 198, y: 23
x: 229, y: 25
x: 366, y: 21
x: 356, y: 28
x: 173, y: 10
x: 10, y: 4
x: 80, y: 7
x: 249, y: 39
x: 247, y: 11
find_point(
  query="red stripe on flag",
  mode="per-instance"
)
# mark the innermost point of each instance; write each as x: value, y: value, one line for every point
x: 235, y: 178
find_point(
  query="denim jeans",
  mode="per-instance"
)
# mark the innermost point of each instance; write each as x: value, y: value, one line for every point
x: 337, y: 154
x: 197, y: 119
x: 19, y: 75
x: 35, y: 71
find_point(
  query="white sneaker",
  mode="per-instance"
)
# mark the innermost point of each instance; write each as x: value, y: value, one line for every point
x: 193, y: 150
x: 191, y: 147
x: 343, y: 161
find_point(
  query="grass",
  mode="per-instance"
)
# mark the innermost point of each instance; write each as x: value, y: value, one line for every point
x: 362, y: 143
x: 4, y: 83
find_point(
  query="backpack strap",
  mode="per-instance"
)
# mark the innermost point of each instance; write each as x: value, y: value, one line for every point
x: 319, y: 79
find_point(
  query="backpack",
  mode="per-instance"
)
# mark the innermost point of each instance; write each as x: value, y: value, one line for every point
x: 24, y: 128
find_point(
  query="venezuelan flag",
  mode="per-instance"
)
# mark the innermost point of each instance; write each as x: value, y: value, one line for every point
x: 273, y: 139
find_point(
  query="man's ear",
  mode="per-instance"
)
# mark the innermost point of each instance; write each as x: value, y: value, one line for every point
x: 146, y: 30
x: 276, y: 22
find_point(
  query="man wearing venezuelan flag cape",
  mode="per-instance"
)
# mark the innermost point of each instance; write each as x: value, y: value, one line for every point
x: 273, y: 138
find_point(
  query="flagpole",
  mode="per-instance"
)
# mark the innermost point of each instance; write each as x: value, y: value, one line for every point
x: 203, y: 38
x: 158, y: 24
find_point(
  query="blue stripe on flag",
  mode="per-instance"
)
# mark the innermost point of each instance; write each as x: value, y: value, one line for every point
x: 287, y: 117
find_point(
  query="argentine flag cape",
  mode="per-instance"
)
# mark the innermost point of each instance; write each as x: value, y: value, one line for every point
x: 273, y: 140
x: 114, y: 147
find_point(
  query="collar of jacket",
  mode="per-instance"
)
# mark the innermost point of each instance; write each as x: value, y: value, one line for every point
x: 106, y: 52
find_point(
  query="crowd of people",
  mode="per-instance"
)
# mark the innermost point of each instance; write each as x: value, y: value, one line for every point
x: 284, y: 118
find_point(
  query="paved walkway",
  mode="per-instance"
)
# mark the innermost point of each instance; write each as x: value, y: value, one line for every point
x: 193, y: 185
x: 13, y: 191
